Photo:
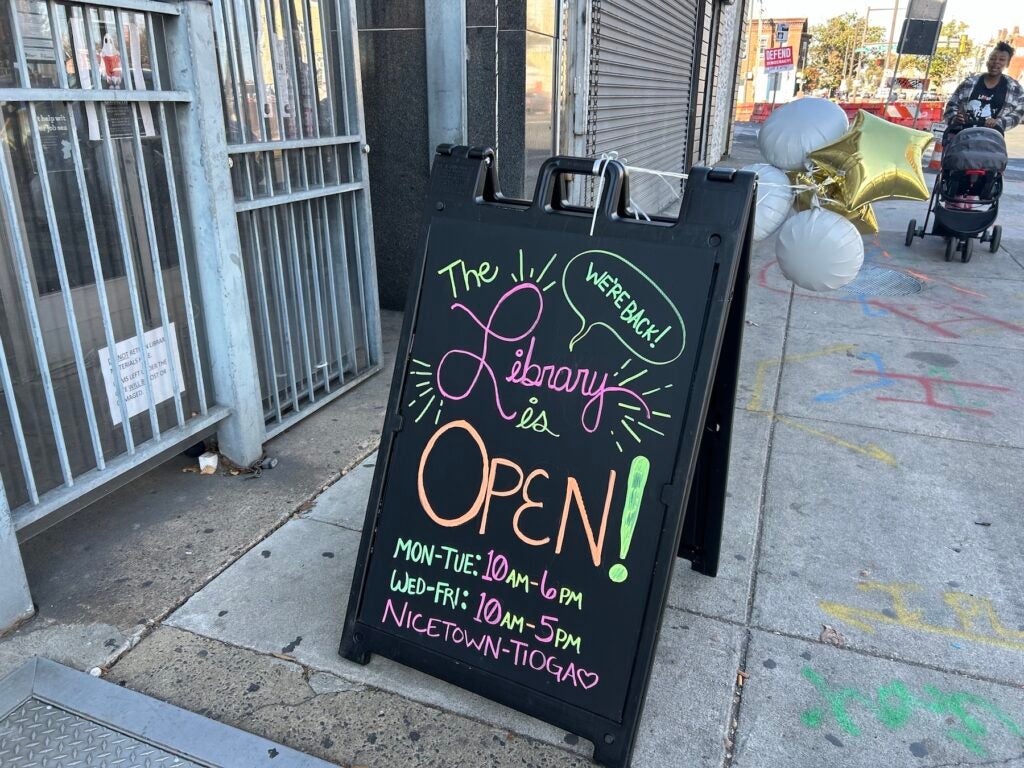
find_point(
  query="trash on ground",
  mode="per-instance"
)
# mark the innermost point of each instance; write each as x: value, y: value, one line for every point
x: 208, y: 463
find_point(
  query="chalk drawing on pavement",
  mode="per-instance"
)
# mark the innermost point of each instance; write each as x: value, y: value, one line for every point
x: 966, y: 718
x: 975, y: 619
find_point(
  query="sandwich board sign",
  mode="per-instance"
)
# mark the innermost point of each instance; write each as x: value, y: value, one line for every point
x: 557, y: 433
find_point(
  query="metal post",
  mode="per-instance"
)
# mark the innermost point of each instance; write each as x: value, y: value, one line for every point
x: 191, y: 55
x: 15, y: 601
x: 863, y: 42
x: 362, y: 215
x: 446, y: 72
x: 888, y: 49
x: 920, y: 96
x: 892, y: 81
x: 927, y: 71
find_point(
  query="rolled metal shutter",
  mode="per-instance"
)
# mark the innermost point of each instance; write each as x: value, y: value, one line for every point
x: 641, y: 68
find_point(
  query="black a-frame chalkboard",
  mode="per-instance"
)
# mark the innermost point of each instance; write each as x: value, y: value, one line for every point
x: 558, y: 431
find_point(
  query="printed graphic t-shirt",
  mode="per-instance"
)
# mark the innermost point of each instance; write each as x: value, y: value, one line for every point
x: 986, y: 102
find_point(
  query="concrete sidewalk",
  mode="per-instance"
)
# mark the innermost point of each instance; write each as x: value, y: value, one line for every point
x: 868, y: 608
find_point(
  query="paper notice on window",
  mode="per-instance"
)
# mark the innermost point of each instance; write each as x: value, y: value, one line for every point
x: 130, y: 368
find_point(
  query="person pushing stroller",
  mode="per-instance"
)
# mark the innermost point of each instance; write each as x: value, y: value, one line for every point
x: 990, y: 99
x: 965, y: 200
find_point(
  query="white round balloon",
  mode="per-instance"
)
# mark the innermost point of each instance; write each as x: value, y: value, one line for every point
x: 819, y: 250
x: 774, y: 199
x: 799, y: 127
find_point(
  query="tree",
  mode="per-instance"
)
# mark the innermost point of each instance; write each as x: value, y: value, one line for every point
x: 837, y: 50
x: 948, y: 55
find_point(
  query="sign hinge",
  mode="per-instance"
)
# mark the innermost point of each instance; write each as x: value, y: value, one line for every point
x: 668, y: 493
x: 721, y: 174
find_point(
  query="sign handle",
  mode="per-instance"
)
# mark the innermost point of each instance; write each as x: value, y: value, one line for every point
x: 548, y: 193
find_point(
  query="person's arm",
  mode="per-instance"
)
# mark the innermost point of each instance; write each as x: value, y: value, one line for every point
x: 1013, y: 110
x: 954, y: 105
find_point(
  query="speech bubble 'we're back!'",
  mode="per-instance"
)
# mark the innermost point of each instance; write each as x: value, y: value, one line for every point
x: 606, y: 290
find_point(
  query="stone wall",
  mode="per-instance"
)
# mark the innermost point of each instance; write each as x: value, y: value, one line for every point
x: 731, y: 29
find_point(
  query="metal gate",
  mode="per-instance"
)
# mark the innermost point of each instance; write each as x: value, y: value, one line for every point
x: 295, y: 134
x: 103, y: 359
x: 705, y: 85
x: 642, y: 56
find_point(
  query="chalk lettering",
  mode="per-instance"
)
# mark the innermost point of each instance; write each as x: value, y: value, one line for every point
x: 976, y: 618
x: 572, y: 499
x: 535, y: 423
x: 894, y: 705
x: 414, y: 551
x: 525, y: 372
x: 469, y: 278
x: 638, y: 312
x: 449, y: 631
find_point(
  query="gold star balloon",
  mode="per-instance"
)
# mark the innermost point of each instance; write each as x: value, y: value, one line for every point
x: 876, y: 159
x: 828, y: 193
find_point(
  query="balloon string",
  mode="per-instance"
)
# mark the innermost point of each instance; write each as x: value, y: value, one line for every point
x: 601, y: 165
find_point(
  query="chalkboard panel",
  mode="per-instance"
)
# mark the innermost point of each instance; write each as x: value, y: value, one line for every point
x: 545, y: 421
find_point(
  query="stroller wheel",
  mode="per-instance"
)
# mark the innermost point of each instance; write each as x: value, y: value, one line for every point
x: 967, y: 250
x: 995, y: 238
x: 951, y: 247
x: 911, y: 231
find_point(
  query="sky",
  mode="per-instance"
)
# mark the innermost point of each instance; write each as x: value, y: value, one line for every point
x: 985, y: 17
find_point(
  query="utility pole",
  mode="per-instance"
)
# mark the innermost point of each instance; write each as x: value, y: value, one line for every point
x: 757, y: 46
x: 863, y: 42
x: 846, y: 64
x: 888, y: 50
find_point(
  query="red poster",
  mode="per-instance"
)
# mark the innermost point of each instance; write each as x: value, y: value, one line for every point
x: 778, y: 58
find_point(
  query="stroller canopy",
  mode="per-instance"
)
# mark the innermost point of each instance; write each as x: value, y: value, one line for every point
x: 971, y: 149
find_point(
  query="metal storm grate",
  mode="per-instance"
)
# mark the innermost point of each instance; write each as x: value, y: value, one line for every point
x: 54, y: 717
x: 881, y: 281
x: 41, y: 734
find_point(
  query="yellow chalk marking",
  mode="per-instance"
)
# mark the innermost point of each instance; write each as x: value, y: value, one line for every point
x: 870, y: 450
x: 973, y: 614
x: 757, y: 399
x: 765, y: 365
x: 985, y: 330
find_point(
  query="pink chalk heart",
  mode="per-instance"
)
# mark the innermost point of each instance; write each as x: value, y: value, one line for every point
x: 583, y: 676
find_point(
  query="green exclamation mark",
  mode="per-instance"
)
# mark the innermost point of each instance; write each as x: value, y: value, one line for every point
x: 638, y: 472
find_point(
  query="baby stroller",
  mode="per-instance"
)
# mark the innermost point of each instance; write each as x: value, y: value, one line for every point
x: 965, y: 199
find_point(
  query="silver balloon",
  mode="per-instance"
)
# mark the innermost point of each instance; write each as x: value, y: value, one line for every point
x: 819, y: 250
x: 799, y: 127
x: 774, y: 199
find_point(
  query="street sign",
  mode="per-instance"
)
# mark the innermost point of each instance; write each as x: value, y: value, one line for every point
x: 781, y: 33
x: 778, y: 59
x: 557, y: 432
x: 919, y: 37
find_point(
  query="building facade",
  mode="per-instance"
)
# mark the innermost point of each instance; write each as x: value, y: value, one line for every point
x: 187, y: 248
x: 755, y: 82
x: 651, y: 81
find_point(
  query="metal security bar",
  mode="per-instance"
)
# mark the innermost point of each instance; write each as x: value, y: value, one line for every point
x: 296, y: 140
x: 102, y: 356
